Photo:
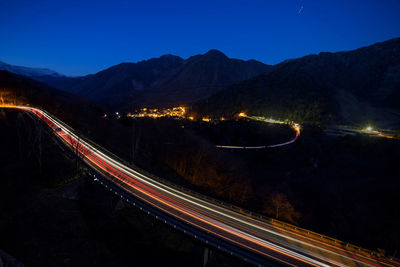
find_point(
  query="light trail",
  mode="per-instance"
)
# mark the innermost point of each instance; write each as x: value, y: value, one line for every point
x: 258, y: 236
x: 342, y: 130
x: 295, y: 126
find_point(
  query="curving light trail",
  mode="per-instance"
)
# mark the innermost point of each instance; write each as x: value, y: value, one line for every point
x: 295, y: 126
x: 258, y: 236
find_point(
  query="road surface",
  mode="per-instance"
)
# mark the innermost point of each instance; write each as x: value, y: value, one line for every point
x: 295, y: 126
x: 270, y: 239
x: 341, y: 130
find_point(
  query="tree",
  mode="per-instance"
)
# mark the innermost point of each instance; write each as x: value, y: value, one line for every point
x: 279, y: 206
x: 32, y: 135
x: 78, y: 149
x: 136, y: 135
x: 36, y: 142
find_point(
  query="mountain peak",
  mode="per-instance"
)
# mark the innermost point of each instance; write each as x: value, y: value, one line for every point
x: 27, y: 71
x: 170, y: 58
x: 214, y: 53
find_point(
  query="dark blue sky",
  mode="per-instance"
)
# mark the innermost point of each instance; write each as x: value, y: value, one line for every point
x: 81, y: 37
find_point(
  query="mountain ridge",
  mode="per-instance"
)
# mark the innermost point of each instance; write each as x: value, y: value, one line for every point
x: 29, y: 71
x: 344, y: 87
x: 167, y: 80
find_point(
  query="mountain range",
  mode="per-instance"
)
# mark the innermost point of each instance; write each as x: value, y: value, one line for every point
x: 29, y: 72
x: 19, y: 89
x: 167, y: 80
x: 354, y: 87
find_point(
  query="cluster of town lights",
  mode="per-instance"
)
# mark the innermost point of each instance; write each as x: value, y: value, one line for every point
x: 177, y: 112
x: 7, y: 99
x: 294, y: 125
x: 180, y: 112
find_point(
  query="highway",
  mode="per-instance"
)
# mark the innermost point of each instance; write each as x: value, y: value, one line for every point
x: 341, y: 130
x: 295, y: 126
x: 270, y: 239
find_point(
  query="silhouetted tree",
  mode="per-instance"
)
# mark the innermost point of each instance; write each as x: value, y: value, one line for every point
x: 36, y: 142
x: 78, y: 149
x: 136, y: 135
x: 278, y: 205
x: 32, y: 135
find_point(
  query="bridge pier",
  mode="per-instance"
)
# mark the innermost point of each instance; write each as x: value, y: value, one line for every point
x: 206, y: 255
x: 202, y: 255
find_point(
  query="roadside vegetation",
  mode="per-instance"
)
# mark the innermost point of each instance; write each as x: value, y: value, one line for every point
x: 53, y: 214
x: 327, y: 184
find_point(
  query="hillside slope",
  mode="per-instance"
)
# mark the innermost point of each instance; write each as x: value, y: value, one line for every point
x: 168, y: 80
x: 69, y: 107
x: 346, y: 87
x: 29, y: 72
x: 200, y: 76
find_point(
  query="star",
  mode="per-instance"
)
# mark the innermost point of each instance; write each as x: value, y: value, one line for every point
x: 300, y: 10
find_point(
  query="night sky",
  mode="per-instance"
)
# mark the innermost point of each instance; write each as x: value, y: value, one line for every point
x: 81, y: 37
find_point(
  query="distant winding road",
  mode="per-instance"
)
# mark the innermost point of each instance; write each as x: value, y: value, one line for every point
x: 295, y: 126
x: 269, y: 239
